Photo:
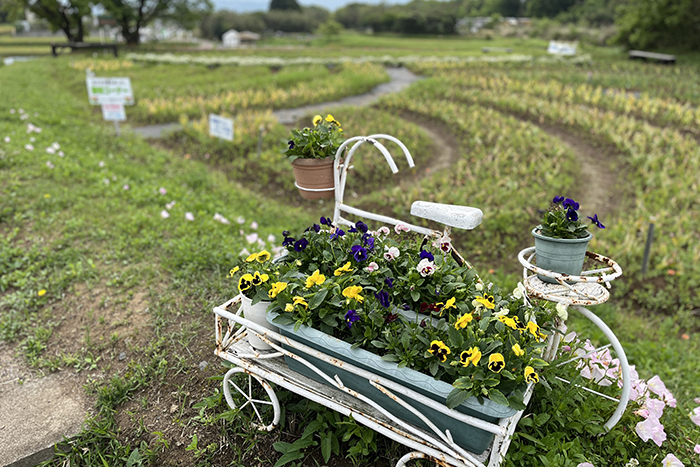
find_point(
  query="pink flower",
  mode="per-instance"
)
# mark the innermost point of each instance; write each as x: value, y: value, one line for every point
x: 697, y: 400
x: 161, y: 190
x: 219, y: 218
x: 696, y: 450
x: 585, y: 464
x: 254, y: 225
x: 126, y: 187
x: 371, y: 267
x: 695, y: 416
x: 398, y: 228
x: 252, y: 238
x: 50, y: 150
x: 271, y: 238
x: 49, y: 165
x: 444, y: 243
x: 189, y: 216
x: 425, y: 267
x: 383, y: 230
x: 56, y: 146
x: 240, y: 219
x: 170, y: 205
x: 164, y: 214
x: 7, y: 139
x: 391, y: 254
x: 653, y: 408
x: 61, y: 154
x: 28, y: 147
x: 101, y: 163
x: 671, y: 461
x: 651, y: 429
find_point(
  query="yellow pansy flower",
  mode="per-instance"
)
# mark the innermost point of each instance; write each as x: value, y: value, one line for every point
x: 317, y: 119
x: 353, y: 293
x: 531, y: 375
x: 277, y: 287
x: 233, y: 271
x: 463, y: 321
x: 487, y: 301
x: 289, y: 307
x: 342, y: 270
x: 251, y: 258
x: 535, y: 330
x: 510, y: 322
x: 42, y: 292
x: 517, y: 350
x: 450, y: 304
x: 439, y: 349
x: 496, y: 362
x: 315, y: 279
x: 245, y: 282
x: 259, y: 278
x: 263, y: 256
x: 330, y: 118
x: 300, y: 301
x: 472, y: 355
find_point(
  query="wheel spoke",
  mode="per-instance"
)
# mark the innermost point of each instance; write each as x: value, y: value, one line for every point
x: 239, y: 390
x: 246, y: 403
x: 257, y: 401
x: 257, y: 413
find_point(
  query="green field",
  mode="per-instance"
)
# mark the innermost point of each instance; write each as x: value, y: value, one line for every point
x: 89, y: 230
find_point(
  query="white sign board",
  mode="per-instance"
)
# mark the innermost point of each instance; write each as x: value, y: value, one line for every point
x: 113, y: 112
x: 562, y: 48
x: 109, y: 91
x: 221, y: 127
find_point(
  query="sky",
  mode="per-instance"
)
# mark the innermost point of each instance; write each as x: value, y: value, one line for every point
x: 245, y: 6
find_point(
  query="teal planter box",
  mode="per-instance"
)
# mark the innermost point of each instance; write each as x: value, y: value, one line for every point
x: 562, y: 255
x: 468, y: 437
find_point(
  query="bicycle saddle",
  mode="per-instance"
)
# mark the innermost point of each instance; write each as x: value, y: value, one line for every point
x: 461, y: 217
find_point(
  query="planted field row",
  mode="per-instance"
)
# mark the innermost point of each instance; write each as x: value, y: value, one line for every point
x: 321, y: 87
x: 242, y: 162
x: 659, y: 169
x: 669, y: 111
x: 498, y: 156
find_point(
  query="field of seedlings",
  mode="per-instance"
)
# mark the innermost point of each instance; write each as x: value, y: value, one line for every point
x: 115, y: 249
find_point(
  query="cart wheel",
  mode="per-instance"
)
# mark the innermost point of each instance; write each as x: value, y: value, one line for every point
x: 253, y: 397
x: 624, y: 369
x: 417, y: 455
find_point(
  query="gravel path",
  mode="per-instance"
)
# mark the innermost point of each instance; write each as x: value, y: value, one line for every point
x: 401, y: 78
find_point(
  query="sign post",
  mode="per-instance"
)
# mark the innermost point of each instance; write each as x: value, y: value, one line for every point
x: 112, y: 94
x: 220, y: 127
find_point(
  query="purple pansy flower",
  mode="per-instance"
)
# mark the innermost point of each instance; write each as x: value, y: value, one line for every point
x: 316, y: 227
x: 368, y: 240
x: 326, y: 221
x: 426, y: 254
x: 337, y: 234
x: 301, y: 244
x: 571, y: 215
x: 383, y: 298
x: 571, y: 204
x: 288, y: 241
x: 291, y: 144
x: 361, y: 226
x: 285, y: 233
x: 597, y: 222
x: 359, y: 253
x: 352, y: 230
x: 391, y: 317
x: 389, y: 282
x: 350, y: 317
x: 558, y: 199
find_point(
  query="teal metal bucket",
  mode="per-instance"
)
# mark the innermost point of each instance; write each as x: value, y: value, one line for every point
x: 562, y: 255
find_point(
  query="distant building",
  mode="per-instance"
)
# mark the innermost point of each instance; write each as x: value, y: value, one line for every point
x: 249, y: 38
x: 231, y: 38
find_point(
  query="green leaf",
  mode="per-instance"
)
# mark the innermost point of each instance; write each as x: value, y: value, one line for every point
x: 456, y: 338
x: 493, y: 346
x: 283, y: 320
x: 390, y: 358
x: 378, y: 344
x: 463, y: 383
x: 538, y: 363
x: 456, y: 397
x: 289, y: 457
x: 516, y: 403
x: 326, y: 445
x: 498, y: 397
x: 415, y: 295
x: 318, y: 298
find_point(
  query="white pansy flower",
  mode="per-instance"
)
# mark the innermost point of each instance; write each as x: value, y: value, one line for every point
x: 562, y: 312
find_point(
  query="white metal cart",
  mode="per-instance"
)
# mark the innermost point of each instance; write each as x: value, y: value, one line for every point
x: 268, y: 367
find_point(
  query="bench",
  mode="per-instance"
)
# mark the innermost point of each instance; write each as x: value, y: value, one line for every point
x: 56, y: 48
x: 661, y: 58
x: 496, y: 49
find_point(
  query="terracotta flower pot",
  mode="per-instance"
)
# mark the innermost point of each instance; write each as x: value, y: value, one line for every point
x: 314, y: 174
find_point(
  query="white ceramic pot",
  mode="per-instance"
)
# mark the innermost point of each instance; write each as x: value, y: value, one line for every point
x: 257, y: 314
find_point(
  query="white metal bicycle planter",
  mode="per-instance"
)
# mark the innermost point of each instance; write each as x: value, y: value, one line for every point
x: 432, y: 443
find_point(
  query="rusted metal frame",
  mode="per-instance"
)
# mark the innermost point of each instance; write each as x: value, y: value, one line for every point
x: 553, y: 342
x: 414, y: 441
x: 263, y: 332
x: 587, y: 389
x: 501, y: 444
x: 446, y: 437
x: 563, y: 278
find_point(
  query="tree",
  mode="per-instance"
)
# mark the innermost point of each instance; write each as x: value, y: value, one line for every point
x: 132, y: 15
x: 64, y: 15
x: 548, y: 8
x: 284, y: 5
x: 659, y: 23
x: 330, y: 30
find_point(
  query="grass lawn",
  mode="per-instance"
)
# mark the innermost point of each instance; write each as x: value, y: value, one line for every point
x: 101, y: 224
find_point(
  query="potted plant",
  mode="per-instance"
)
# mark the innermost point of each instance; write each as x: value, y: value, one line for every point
x: 257, y: 286
x: 562, y: 238
x: 408, y: 311
x: 311, y: 152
